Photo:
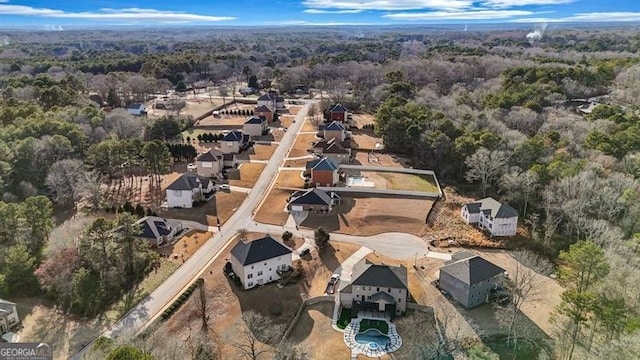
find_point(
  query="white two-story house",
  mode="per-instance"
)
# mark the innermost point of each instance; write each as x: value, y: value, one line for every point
x: 234, y: 142
x: 497, y: 218
x: 210, y: 163
x: 9, y: 319
x: 257, y: 262
x: 378, y: 288
x: 187, y: 189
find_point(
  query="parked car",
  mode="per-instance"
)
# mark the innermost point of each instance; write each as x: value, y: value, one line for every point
x: 224, y: 187
x: 305, y: 252
x: 333, y: 283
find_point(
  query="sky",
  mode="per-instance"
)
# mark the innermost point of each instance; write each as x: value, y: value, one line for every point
x: 60, y: 14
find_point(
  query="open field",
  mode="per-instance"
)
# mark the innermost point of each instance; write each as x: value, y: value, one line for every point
x: 196, y: 108
x: 182, y: 249
x: 302, y: 145
x: 401, y: 181
x: 226, y: 302
x: 365, y: 215
x: 272, y: 209
x: 222, y: 205
x: 258, y: 152
x: 363, y: 119
x: 309, y: 125
x: 365, y: 141
x: 290, y: 178
x: 365, y: 158
x: 246, y: 175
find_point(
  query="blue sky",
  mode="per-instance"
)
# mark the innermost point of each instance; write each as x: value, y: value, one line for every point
x: 57, y: 14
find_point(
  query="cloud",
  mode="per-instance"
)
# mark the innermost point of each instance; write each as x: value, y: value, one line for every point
x: 388, y: 4
x: 586, y: 17
x: 309, y: 23
x: 108, y: 14
x: 515, y: 3
x: 459, y: 15
x: 319, y: 11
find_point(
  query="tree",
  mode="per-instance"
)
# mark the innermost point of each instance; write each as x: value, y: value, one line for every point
x: 63, y: 179
x: 128, y: 352
x: 156, y: 157
x: 486, y: 166
x: 40, y: 214
x: 288, y: 351
x: 321, y: 238
x: 586, y: 265
x: 55, y: 272
x: 286, y: 236
x: 520, y: 186
x: 256, y: 332
x: 17, y: 271
x: 523, y: 286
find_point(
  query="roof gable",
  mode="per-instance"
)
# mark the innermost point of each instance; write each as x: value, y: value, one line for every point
x: 338, y: 108
x: 252, y: 252
x: 266, y: 97
x: 497, y: 209
x: 234, y: 135
x: 311, y: 197
x: 472, y: 270
x: 263, y: 108
x: 335, y: 148
x: 326, y: 164
x: 368, y: 274
x: 256, y: 120
x: 334, y: 126
x: 210, y: 156
x: 135, y: 106
x: 153, y: 227
x: 189, y: 181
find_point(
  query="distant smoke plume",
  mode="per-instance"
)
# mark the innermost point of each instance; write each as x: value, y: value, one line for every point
x: 4, y: 40
x: 537, y: 33
x: 53, y: 28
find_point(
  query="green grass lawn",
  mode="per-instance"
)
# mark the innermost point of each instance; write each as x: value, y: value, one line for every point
x: 345, y: 318
x: 410, y: 182
x: 526, y: 349
x: 380, y: 325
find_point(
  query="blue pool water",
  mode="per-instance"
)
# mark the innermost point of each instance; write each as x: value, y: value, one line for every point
x: 373, y: 338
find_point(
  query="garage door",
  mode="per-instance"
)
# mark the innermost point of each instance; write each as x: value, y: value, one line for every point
x: 296, y: 208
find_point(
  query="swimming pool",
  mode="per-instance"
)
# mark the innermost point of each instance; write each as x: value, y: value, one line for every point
x: 373, y: 338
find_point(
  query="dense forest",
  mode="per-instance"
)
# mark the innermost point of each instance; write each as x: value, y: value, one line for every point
x: 491, y: 112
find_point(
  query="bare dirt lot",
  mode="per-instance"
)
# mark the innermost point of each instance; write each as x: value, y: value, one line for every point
x: 272, y: 210
x: 313, y: 330
x: 302, y: 145
x: 226, y: 303
x: 294, y: 109
x: 258, y: 152
x: 247, y: 174
x: 363, y: 119
x: 221, y: 206
x: 368, y: 159
x: 309, y: 125
x: 286, y: 120
x: 364, y: 141
x: 290, y: 179
x: 366, y: 216
x: 182, y: 249
x: 297, y: 163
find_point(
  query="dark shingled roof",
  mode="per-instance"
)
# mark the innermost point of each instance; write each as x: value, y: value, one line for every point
x: 492, y: 207
x: 326, y: 164
x: 472, y: 270
x: 338, y: 108
x: 210, y: 156
x: 188, y: 181
x: 152, y: 227
x: 256, y: 120
x: 248, y: 253
x: 310, y: 197
x: 334, y: 126
x: 134, y: 106
x: 368, y: 274
x: 265, y: 97
x: 234, y: 135
x: 334, y: 147
x: 263, y: 108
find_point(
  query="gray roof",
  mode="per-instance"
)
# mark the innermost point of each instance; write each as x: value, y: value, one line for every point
x: 255, y: 251
x: 310, y: 197
x: 335, y: 125
x: 263, y: 108
x: 266, y: 97
x: 492, y: 207
x: 368, y: 274
x: 256, y: 120
x: 135, y: 106
x: 153, y: 227
x: 234, y: 135
x: 188, y: 181
x: 6, y: 307
x: 338, y: 108
x: 334, y: 147
x: 472, y: 270
x: 210, y: 156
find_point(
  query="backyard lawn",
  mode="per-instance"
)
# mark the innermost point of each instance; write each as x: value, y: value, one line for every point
x: 246, y: 175
x: 345, y: 318
x: 410, y: 182
x: 380, y: 325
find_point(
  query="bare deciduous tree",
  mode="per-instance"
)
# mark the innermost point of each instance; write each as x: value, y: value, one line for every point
x: 486, y: 166
x: 256, y: 332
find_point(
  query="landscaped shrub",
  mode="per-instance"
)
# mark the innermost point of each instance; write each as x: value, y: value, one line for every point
x: 181, y: 299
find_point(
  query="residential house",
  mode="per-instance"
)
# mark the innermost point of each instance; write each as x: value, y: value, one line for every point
x: 323, y: 172
x: 586, y: 109
x: 210, y: 163
x: 313, y: 201
x: 234, y: 142
x: 264, y: 111
x: 158, y: 231
x: 338, y: 113
x: 335, y: 130
x: 259, y: 261
x: 280, y: 103
x: 248, y: 91
x: 137, y: 109
x: 229, y: 160
x: 469, y: 280
x: 187, y: 189
x: 333, y: 149
x: 268, y: 100
x: 374, y: 287
x: 9, y: 319
x: 491, y: 215
x: 255, y: 126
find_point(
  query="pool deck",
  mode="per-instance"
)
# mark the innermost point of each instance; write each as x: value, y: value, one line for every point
x: 352, y: 330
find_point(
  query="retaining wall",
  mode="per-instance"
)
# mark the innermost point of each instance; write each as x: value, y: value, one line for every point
x: 305, y: 303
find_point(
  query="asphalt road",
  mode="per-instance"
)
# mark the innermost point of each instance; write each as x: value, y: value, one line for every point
x: 151, y: 307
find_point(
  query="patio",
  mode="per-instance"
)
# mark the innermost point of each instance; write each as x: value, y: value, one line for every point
x: 371, y: 348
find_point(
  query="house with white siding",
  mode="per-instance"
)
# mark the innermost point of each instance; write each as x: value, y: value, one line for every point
x: 491, y: 215
x: 469, y: 279
x: 374, y: 287
x: 9, y: 319
x: 259, y: 262
x: 234, y: 142
x: 210, y: 163
x: 187, y: 189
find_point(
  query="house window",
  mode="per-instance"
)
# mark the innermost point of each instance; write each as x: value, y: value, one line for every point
x: 265, y: 264
x: 177, y: 193
x: 399, y: 299
x: 269, y: 269
x: 259, y: 273
x: 229, y: 143
x: 377, y: 289
x: 251, y: 267
x: 250, y: 276
x: 369, y: 288
x: 389, y: 291
x: 250, y: 284
x: 369, y: 297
